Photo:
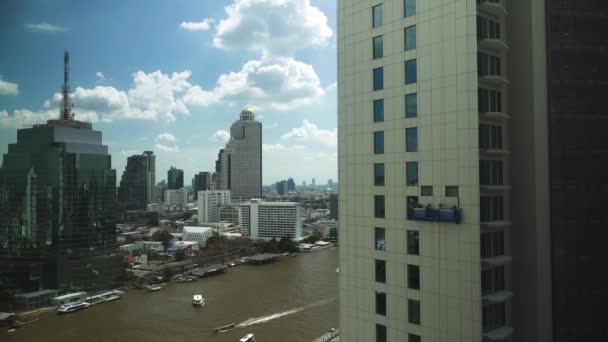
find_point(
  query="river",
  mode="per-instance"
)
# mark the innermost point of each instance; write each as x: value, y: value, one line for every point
x: 293, y: 299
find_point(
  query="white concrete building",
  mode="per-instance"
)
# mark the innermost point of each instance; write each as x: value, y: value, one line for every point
x: 265, y: 220
x: 209, y: 202
x: 176, y: 197
x: 198, y: 234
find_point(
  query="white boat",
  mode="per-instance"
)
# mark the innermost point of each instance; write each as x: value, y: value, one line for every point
x: 153, y: 288
x: 71, y: 307
x: 198, y: 300
x: 247, y: 338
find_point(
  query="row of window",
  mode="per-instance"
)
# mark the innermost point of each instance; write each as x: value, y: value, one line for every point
x: 413, y: 240
x: 411, y: 107
x: 492, y: 280
x: 409, y: 9
x: 488, y: 65
x: 489, y: 100
x: 413, y: 308
x: 411, y: 174
x: 488, y: 208
x: 411, y: 140
x: 413, y: 274
x: 409, y: 42
x: 487, y: 28
x: 490, y: 172
x: 492, y: 244
x: 411, y: 75
x: 381, y: 334
x: 490, y: 137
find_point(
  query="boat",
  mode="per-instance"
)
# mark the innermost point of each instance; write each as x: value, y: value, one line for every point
x: 198, y: 300
x: 247, y: 338
x: 72, y: 307
x: 153, y: 288
x: 224, y: 328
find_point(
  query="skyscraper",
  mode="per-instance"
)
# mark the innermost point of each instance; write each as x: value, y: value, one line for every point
x: 474, y: 139
x: 239, y: 164
x: 291, y: 185
x: 201, y: 182
x: 137, y: 185
x: 175, y: 178
x: 57, y: 203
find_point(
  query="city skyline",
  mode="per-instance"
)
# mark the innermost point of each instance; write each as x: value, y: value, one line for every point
x: 145, y: 97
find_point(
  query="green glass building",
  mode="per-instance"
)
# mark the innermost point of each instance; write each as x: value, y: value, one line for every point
x: 57, y: 205
x: 175, y: 178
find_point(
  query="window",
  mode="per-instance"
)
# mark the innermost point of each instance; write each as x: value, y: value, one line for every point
x: 413, y: 277
x: 413, y: 338
x: 488, y: 65
x: 413, y: 242
x: 487, y: 29
x: 409, y: 34
x: 493, y: 316
x: 409, y: 8
x: 379, y: 174
x: 411, y: 105
x: 492, y: 280
x: 380, y: 271
x: 379, y: 206
x: 411, y: 173
x: 410, y: 72
x: 379, y: 142
x: 490, y: 137
x: 378, y: 110
x: 378, y: 79
x: 381, y: 303
x: 451, y: 191
x: 378, y: 47
x: 490, y: 172
x: 492, y: 244
x: 491, y: 208
x: 412, y: 201
x: 379, y: 238
x: 413, y: 311
x: 377, y: 15
x: 411, y: 139
x: 426, y: 191
x: 489, y: 100
x: 380, y: 333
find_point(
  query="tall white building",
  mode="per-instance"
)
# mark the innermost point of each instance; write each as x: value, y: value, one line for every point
x: 176, y: 197
x: 209, y: 202
x: 265, y: 220
x: 239, y: 164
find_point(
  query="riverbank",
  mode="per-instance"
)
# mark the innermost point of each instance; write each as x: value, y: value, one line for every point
x: 295, y: 297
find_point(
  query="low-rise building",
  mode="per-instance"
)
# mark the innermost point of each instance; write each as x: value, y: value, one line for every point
x: 198, y: 234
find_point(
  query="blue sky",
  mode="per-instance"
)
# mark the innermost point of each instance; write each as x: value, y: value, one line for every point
x: 171, y: 76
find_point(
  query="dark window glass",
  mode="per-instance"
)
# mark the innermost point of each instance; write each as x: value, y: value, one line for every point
x: 410, y: 38
x: 413, y: 338
x: 379, y: 238
x: 491, y: 172
x: 426, y: 191
x: 493, y: 316
x: 381, y: 303
x: 451, y: 191
x: 378, y: 79
x: 489, y: 100
x: 490, y: 137
x: 492, y: 244
x: 379, y: 142
x: 413, y: 242
x: 413, y: 277
x: 413, y: 311
x: 412, y: 201
x: 411, y: 173
x: 487, y: 29
x: 411, y: 105
x: 378, y: 47
x: 410, y: 72
x: 379, y: 174
x: 377, y: 15
x: 378, y: 110
x: 380, y: 271
x: 488, y: 65
x: 409, y: 8
x: 380, y: 333
x: 491, y: 208
x: 379, y: 206
x: 411, y: 139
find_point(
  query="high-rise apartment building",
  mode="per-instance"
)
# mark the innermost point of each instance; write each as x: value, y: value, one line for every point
x: 239, y: 164
x: 209, y: 202
x: 176, y: 197
x: 471, y: 170
x: 57, y: 205
x: 201, y: 182
x: 175, y: 178
x: 137, y: 185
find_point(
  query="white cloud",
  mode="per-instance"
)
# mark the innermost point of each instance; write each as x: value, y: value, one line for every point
x: 220, y: 135
x: 165, y: 137
x: 8, y: 88
x: 309, y: 132
x: 45, y: 27
x: 197, y: 26
x: 128, y: 153
x: 272, y: 26
x: 22, y: 117
x: 331, y: 87
x: 279, y: 83
x: 281, y: 147
x: 100, y: 75
x: 166, y: 148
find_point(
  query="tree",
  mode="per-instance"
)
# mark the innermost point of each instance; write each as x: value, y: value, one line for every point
x: 287, y: 245
x: 271, y: 247
x: 314, y: 237
x: 180, y: 255
x: 168, y: 273
x: 164, y: 237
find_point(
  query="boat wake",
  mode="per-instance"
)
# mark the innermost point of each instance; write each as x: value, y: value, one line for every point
x: 264, y: 319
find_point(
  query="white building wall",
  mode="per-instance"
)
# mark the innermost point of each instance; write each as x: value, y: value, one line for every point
x: 208, y: 202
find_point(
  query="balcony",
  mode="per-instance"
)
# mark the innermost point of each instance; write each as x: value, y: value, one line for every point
x: 492, y: 7
x: 496, y: 80
x: 435, y: 215
x: 493, y: 44
x: 495, y: 224
x: 495, y: 151
x: 494, y: 187
x: 499, y: 334
x: 497, y: 297
x: 496, y: 261
x: 495, y: 115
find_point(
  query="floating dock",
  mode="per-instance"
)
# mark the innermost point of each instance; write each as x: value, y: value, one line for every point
x: 262, y: 259
x: 209, y: 271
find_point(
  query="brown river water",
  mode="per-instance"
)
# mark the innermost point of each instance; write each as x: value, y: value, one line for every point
x: 294, y: 299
